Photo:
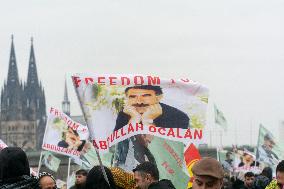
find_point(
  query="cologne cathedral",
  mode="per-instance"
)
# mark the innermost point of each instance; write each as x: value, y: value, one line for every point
x: 23, y: 108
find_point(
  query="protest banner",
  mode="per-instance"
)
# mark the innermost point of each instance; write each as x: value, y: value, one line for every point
x: 269, y: 150
x: 50, y: 161
x: 63, y: 135
x: 139, y: 118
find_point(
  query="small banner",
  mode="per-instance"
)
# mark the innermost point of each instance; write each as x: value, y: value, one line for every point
x: 269, y: 150
x: 50, y: 161
x: 63, y: 135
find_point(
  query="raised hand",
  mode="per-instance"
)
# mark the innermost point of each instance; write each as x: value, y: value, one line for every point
x: 152, y: 112
x: 131, y: 111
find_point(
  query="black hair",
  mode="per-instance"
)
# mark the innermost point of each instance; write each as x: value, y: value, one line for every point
x: 148, y: 167
x: 280, y: 167
x: 249, y: 174
x: 157, y: 89
x: 96, y: 179
x: 81, y: 172
x: 267, y: 171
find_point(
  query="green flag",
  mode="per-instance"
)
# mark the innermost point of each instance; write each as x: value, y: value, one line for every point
x: 50, y: 161
x: 269, y: 150
x: 220, y: 118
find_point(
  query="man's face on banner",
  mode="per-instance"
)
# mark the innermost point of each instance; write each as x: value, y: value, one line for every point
x: 145, y: 139
x: 268, y: 144
x: 71, y: 138
x: 141, y: 99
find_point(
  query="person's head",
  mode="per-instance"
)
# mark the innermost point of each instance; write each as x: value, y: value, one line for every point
x: 46, y: 181
x: 49, y: 158
x: 13, y: 163
x: 81, y: 176
x: 280, y: 173
x: 208, y: 174
x: 267, y: 171
x: 268, y: 142
x: 249, y: 179
x: 228, y: 155
x: 71, y: 136
x: 248, y: 157
x: 96, y: 179
x: 144, y: 139
x: 145, y: 174
x: 142, y: 96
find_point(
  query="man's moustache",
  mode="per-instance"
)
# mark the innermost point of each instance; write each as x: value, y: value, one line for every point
x: 140, y: 105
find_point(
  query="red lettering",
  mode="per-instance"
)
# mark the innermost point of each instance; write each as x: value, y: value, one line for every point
x: 111, y: 82
x: 112, y: 137
x: 139, y: 126
x: 125, y: 81
x: 153, y: 80
x: 51, y: 110
x: 197, y: 134
x: 122, y: 132
x: 162, y: 131
x: 56, y: 112
x: 116, y: 135
x: 152, y: 128
x: 69, y: 123
x: 130, y: 128
x: 89, y: 80
x: 140, y: 81
x: 171, y: 132
x: 77, y: 81
x: 103, y: 145
x: 95, y: 144
x: 188, y: 134
x: 178, y: 133
x: 100, y: 80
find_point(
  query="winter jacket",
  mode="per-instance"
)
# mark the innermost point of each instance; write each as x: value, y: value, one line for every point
x: 162, y: 184
x: 22, y: 182
x: 274, y: 185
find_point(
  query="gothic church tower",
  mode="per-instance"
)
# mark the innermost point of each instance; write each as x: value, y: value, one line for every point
x: 23, y: 109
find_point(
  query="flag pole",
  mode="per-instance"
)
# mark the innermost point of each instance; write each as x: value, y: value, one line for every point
x: 39, y: 163
x: 69, y: 163
x: 93, y: 140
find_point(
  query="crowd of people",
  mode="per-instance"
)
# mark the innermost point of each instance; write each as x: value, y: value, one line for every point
x: 208, y: 173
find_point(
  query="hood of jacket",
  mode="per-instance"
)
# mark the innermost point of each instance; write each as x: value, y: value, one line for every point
x: 14, y: 163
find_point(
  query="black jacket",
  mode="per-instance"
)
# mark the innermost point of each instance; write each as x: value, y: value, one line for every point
x: 162, y: 184
x: 22, y: 182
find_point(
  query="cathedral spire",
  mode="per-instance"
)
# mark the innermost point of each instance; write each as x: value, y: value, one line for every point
x: 66, y: 102
x: 13, y: 76
x: 32, y: 72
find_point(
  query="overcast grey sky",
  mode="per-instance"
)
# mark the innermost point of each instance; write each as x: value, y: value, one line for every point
x: 235, y: 48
